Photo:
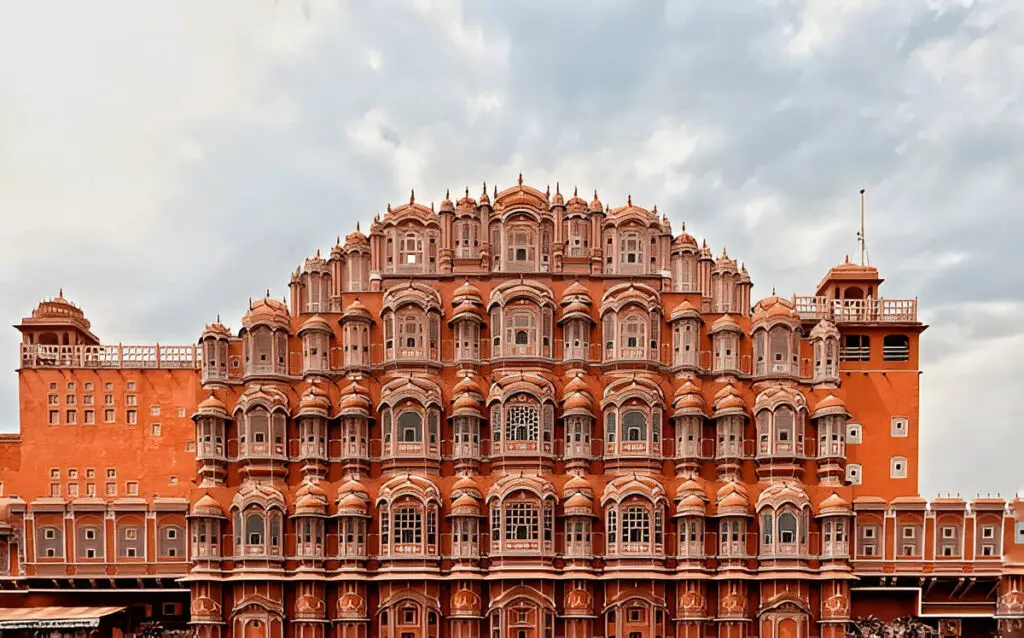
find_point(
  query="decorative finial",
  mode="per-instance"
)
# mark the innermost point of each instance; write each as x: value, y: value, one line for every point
x: 520, y: 178
x: 485, y: 188
x: 412, y: 196
x: 268, y: 293
x: 250, y: 303
x: 389, y: 207
x: 446, y: 194
x: 684, y: 226
x: 431, y: 205
x: 773, y: 291
x: 337, y: 242
x: 547, y: 191
x: 575, y: 191
x: 629, y: 200
x: 218, y: 317
x: 556, y: 188
x: 60, y: 293
x: 317, y: 252
x: 495, y: 191
x: 467, y: 191
x: 595, y: 193
x: 357, y: 227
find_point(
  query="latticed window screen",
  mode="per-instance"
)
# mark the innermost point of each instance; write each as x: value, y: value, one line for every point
x: 636, y: 525
x: 521, y: 521
x: 522, y: 423
x: 408, y: 526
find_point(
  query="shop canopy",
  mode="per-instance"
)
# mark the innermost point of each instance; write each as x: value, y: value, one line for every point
x: 54, y: 617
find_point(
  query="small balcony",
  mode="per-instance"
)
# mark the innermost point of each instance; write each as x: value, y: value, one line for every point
x: 210, y: 451
x: 110, y: 357
x: 262, y: 450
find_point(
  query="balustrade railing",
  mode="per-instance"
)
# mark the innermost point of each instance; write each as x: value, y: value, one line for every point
x: 856, y: 310
x: 110, y: 356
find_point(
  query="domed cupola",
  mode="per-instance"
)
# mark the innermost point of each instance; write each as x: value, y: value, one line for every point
x: 265, y: 331
x: 688, y: 414
x: 466, y: 416
x: 354, y: 412
x: 729, y: 412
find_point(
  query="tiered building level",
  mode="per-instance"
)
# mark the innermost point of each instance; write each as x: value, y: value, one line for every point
x: 517, y: 416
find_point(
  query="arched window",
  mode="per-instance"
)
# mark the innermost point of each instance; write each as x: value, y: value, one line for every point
x: 255, y: 529
x: 631, y: 333
x: 410, y: 427
x: 408, y: 526
x: 410, y: 330
x: 410, y: 248
x: 634, y: 426
x: 521, y: 251
x: 522, y: 423
x: 636, y: 525
x: 522, y: 331
x: 787, y: 528
x: 632, y: 247
x: 784, y: 424
x: 521, y: 521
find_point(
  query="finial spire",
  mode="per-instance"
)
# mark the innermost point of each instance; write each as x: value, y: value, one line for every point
x: 629, y: 199
x: 861, y: 236
x: 268, y: 293
x: 556, y: 188
x: 389, y: 207
x: 317, y: 252
x: 337, y: 242
x: 412, y: 196
x: 520, y: 178
x: 357, y: 229
x: 547, y: 191
x: 218, y: 317
x: 467, y: 191
x: 446, y: 194
x: 575, y: 191
x: 60, y: 293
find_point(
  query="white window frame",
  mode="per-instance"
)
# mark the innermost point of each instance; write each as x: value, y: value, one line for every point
x: 900, y: 426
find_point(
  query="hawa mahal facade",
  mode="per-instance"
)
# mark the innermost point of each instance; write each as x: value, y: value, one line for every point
x: 518, y: 416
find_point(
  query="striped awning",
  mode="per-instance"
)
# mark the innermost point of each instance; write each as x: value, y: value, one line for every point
x: 53, y: 617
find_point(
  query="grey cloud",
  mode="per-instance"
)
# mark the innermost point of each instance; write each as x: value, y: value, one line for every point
x: 582, y: 88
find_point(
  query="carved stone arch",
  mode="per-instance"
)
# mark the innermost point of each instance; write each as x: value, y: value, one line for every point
x: 263, y: 495
x: 536, y: 292
x: 420, y: 390
x: 270, y: 397
x: 532, y: 483
x: 627, y: 294
x: 535, y: 385
x: 521, y: 592
x: 775, y: 396
x: 419, y: 488
x: 408, y: 594
x: 785, y: 602
x: 413, y: 293
x: 622, y: 389
x: 622, y: 487
x: 519, y: 198
x: 626, y: 596
x: 782, y: 493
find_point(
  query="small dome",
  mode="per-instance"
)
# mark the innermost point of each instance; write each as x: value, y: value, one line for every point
x: 465, y: 505
x: 828, y: 406
x: 684, y: 239
x: 352, y: 485
x: 311, y: 487
x: 267, y: 310
x: 314, y: 400
x: 465, y: 483
x: 729, y: 401
x: 466, y: 291
x: 775, y: 308
x: 216, y: 330
x: 207, y: 506
x: 824, y: 329
x: 356, y: 310
x: 691, y: 504
x: 211, y: 405
x: 316, y: 322
x: 579, y: 503
x: 685, y: 309
x: 576, y: 308
x: 577, y: 483
x: 351, y: 503
x: 688, y: 487
x: 725, y: 323
x: 466, y: 202
x: 576, y: 288
x: 733, y: 504
x: 576, y: 384
x: 309, y: 503
x: 578, y: 402
x: 595, y: 204
x: 355, y: 400
x: 466, y: 384
x: 834, y: 505
x: 465, y: 403
x: 463, y: 309
x: 446, y: 204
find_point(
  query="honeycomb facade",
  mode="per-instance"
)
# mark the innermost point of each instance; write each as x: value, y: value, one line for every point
x: 516, y: 416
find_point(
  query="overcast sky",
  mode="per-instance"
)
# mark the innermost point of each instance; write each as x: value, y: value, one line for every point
x: 164, y: 161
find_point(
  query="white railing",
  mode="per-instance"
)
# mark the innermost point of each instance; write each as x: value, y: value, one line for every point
x: 113, y: 357
x: 857, y: 310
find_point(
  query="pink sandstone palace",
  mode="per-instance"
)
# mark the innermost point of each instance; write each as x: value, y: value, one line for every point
x: 518, y: 416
